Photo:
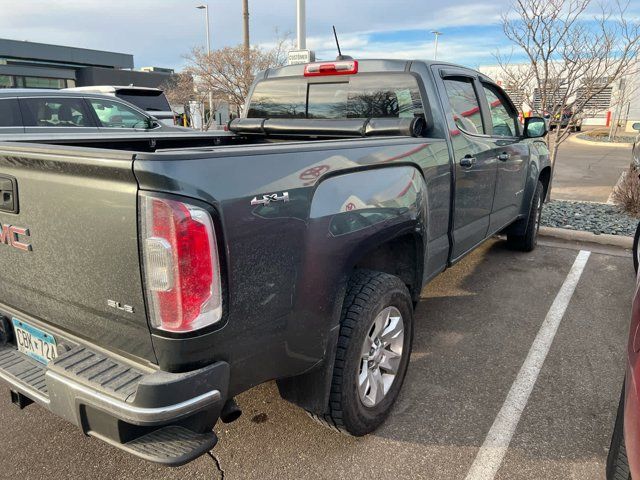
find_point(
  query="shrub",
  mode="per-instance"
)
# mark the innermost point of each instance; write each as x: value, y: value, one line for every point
x: 626, y: 194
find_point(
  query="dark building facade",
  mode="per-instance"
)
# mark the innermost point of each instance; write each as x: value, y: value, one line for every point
x: 39, y: 65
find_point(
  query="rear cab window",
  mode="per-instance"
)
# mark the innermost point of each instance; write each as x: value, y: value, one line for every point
x: 55, y: 112
x: 361, y: 96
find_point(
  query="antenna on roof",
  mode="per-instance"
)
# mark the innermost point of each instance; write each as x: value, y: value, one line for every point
x: 340, y: 56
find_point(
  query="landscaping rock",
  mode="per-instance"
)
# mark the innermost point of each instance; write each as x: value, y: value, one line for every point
x: 590, y: 217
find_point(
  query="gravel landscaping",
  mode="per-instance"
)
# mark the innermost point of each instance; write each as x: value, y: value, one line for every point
x: 591, y: 217
x: 605, y: 138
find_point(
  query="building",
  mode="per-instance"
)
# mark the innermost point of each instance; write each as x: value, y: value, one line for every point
x: 618, y: 101
x: 40, y: 65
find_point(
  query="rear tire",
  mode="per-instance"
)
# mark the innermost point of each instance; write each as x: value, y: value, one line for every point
x: 529, y: 240
x: 372, y: 355
x: 617, y: 462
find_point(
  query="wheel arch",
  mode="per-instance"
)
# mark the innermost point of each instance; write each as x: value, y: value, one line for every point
x: 395, y: 244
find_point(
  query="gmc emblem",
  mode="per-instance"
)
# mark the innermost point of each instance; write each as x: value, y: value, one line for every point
x: 10, y: 235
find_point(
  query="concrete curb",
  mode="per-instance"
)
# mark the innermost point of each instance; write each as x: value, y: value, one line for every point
x: 587, y: 237
x: 577, y: 139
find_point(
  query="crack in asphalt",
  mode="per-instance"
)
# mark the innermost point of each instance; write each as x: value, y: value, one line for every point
x: 217, y: 462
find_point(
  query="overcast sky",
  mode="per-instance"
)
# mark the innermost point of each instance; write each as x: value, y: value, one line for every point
x: 160, y: 32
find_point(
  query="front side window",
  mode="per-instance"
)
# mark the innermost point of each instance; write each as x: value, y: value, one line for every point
x: 464, y: 104
x: 55, y: 112
x: 9, y: 113
x: 117, y: 115
x: 503, y: 121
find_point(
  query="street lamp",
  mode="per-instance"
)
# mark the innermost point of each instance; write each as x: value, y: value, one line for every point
x: 205, y: 7
x: 437, y: 34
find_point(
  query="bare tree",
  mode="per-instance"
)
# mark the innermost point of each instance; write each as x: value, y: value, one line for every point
x: 573, y: 56
x: 182, y: 90
x: 230, y: 71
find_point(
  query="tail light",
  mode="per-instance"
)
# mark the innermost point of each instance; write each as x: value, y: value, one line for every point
x: 181, y: 265
x: 346, y: 67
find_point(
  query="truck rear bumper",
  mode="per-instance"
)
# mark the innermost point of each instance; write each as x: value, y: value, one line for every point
x: 159, y: 416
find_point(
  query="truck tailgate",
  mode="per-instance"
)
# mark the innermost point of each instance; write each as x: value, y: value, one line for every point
x: 69, y: 255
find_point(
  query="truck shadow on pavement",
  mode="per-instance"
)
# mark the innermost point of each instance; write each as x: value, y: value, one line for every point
x: 473, y: 329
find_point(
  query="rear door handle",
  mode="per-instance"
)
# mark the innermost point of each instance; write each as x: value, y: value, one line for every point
x: 504, y: 156
x: 467, y: 161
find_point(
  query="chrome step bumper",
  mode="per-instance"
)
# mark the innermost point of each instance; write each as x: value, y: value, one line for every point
x: 100, y: 394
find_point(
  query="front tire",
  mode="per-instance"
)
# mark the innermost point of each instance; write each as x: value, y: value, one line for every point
x: 617, y: 462
x: 529, y: 240
x: 373, y: 352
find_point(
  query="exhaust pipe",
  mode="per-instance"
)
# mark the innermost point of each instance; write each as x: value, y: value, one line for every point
x: 230, y: 411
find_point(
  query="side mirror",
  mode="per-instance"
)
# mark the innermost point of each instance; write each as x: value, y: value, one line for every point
x: 535, y: 127
x: 152, y: 122
x: 636, y: 126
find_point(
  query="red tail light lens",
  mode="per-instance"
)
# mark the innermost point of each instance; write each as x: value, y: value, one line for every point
x: 346, y: 67
x: 181, y: 267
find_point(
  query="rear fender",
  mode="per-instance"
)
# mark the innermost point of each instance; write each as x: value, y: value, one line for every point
x: 352, y: 217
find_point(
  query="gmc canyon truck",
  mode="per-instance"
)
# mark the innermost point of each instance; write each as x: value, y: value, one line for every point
x: 141, y: 291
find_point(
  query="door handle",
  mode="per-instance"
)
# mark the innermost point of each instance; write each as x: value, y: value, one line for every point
x: 504, y: 156
x: 467, y: 161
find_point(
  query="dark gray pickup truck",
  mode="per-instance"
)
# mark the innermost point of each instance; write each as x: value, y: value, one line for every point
x: 142, y: 290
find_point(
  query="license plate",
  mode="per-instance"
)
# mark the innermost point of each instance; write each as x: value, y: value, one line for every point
x: 32, y: 341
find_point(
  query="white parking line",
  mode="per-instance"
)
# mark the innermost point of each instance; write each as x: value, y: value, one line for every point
x: 490, y: 456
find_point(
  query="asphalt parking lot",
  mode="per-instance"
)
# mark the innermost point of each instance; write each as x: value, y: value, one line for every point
x: 588, y: 172
x: 475, y: 327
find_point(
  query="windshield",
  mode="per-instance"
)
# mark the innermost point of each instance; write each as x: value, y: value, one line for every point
x: 150, y: 100
x: 364, y: 96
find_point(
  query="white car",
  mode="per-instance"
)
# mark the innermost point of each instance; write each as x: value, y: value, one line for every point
x: 151, y: 100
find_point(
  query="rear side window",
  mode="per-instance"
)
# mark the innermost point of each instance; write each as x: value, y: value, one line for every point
x: 464, y: 104
x: 55, y: 112
x: 365, y: 96
x: 9, y: 113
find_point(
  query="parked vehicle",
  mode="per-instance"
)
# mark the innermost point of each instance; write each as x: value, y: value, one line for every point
x: 151, y: 100
x: 635, y: 150
x: 141, y: 292
x: 565, y: 119
x: 636, y: 250
x: 623, y: 461
x: 52, y: 111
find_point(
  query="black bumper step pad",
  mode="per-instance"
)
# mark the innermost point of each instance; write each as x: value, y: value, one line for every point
x: 99, y: 371
x: 26, y: 370
x: 172, y: 445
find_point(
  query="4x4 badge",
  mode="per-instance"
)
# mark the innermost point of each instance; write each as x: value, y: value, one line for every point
x: 272, y: 197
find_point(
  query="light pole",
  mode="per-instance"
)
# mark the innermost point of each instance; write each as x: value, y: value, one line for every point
x: 437, y: 34
x: 205, y: 7
x: 301, y: 24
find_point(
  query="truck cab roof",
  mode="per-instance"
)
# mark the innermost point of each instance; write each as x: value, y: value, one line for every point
x: 366, y: 66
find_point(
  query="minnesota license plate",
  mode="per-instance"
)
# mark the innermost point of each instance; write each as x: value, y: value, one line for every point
x: 32, y: 341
